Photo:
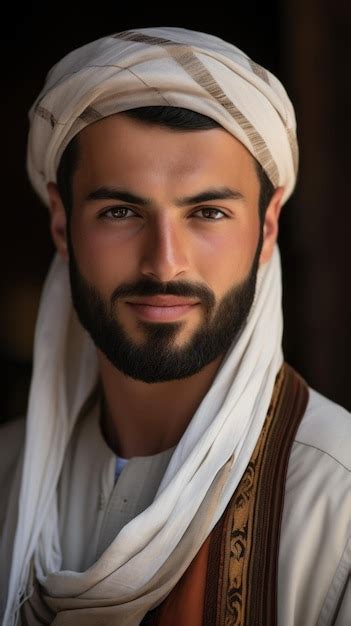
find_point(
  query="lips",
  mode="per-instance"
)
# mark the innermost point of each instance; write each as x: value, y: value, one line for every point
x: 161, y: 308
x: 160, y: 301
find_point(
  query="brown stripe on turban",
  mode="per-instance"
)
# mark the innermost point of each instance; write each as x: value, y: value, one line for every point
x: 163, y: 66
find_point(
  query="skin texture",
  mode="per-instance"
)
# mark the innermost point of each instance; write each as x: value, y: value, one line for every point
x: 163, y: 241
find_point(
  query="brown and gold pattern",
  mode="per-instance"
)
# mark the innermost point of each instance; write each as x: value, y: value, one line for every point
x: 244, y: 546
x: 238, y: 588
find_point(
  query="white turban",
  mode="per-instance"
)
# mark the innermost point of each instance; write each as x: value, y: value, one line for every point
x: 151, y: 66
x: 164, y: 67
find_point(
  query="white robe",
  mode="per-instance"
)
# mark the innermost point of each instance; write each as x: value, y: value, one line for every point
x: 314, y: 586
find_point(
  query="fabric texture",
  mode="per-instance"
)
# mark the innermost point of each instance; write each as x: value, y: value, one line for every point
x: 164, y: 66
x: 149, y: 555
x: 241, y: 571
x: 314, y: 569
x: 92, y: 506
x: 233, y: 579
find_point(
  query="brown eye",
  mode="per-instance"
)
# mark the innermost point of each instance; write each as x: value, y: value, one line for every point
x: 117, y: 213
x: 211, y: 214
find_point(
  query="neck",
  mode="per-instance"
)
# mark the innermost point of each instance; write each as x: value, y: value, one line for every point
x: 142, y: 419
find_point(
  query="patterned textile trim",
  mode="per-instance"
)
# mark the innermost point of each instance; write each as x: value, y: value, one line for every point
x: 242, y: 568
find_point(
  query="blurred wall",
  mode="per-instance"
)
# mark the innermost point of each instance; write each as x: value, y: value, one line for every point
x: 316, y: 49
x: 306, y: 46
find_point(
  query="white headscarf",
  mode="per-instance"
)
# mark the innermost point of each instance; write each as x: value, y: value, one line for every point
x: 151, y: 66
x: 164, y: 66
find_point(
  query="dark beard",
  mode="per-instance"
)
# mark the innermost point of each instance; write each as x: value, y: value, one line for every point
x: 156, y: 359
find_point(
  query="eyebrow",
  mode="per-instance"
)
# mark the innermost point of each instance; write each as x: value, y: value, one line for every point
x: 114, y: 193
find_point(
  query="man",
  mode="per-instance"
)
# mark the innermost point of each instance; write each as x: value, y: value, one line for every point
x: 173, y: 470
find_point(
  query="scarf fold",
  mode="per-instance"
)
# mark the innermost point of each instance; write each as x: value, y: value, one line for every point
x: 164, y: 67
x: 152, y: 551
x: 233, y: 578
x: 139, y: 68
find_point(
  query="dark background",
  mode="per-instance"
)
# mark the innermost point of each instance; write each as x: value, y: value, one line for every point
x: 306, y: 43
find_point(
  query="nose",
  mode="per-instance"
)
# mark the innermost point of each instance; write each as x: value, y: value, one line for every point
x: 164, y: 255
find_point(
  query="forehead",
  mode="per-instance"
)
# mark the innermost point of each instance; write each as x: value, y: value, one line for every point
x: 139, y: 153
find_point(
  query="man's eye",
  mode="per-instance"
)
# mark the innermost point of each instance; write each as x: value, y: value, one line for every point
x: 211, y: 214
x: 117, y: 212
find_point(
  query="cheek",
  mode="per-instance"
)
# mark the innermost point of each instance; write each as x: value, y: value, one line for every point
x: 220, y: 257
x: 104, y: 259
x: 226, y: 258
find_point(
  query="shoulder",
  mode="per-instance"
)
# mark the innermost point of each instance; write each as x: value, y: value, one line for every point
x: 315, y: 545
x: 326, y: 428
x: 319, y: 470
x: 318, y: 485
x: 320, y: 459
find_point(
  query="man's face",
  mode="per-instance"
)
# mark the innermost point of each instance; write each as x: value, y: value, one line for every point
x: 164, y: 244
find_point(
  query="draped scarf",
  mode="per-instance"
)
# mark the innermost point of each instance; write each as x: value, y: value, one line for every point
x: 143, y: 563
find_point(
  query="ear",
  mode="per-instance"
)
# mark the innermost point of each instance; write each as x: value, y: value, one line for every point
x: 271, y: 225
x: 58, y: 220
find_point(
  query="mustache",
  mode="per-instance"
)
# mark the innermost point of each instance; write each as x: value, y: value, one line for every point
x: 147, y: 287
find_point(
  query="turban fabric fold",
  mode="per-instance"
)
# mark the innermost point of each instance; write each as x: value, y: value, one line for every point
x: 144, y: 67
x: 164, y: 67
